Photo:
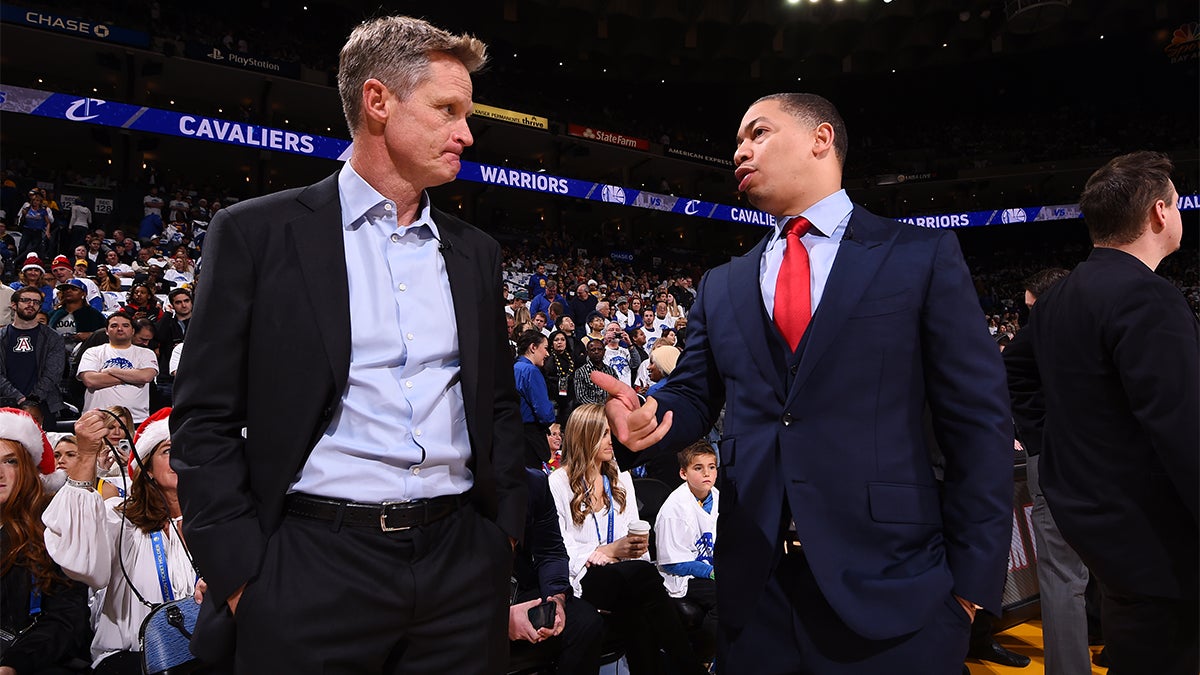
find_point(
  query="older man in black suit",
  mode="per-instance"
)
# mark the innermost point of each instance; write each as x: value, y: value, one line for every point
x: 1116, y: 349
x: 350, y: 477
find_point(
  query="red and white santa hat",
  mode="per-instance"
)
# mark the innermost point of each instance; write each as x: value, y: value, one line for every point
x: 60, y: 261
x: 149, y: 435
x: 32, y: 261
x: 17, y: 425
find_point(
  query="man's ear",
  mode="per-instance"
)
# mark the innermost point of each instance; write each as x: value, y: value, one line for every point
x: 374, y: 101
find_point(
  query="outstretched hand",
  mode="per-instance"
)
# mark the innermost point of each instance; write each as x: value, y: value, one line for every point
x: 635, y: 425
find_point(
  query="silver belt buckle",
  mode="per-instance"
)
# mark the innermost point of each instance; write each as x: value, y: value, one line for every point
x: 384, y: 513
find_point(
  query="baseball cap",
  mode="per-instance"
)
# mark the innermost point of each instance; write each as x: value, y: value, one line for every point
x: 60, y: 261
x: 73, y: 283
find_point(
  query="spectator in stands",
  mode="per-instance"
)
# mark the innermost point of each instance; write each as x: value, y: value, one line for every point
x: 559, y: 370
x: 171, y: 330
x: 581, y: 306
x: 117, y: 268
x: 141, y: 303
x: 609, y: 569
x: 623, y: 315
x: 667, y: 337
x: 536, y: 411
x: 539, y: 323
x: 566, y: 324
x: 650, y: 328
x: 662, y: 363
x: 39, y: 604
x: 635, y: 311
x: 181, y: 270
x: 62, y: 272
x: 114, y: 458
x: 33, y: 275
x: 554, y: 440
x: 537, y: 281
x: 106, y: 280
x: 152, y: 203
x: 541, y: 572
x: 549, y: 295
x: 32, y: 358
x: 585, y: 390
x: 133, y: 547
x: 617, y: 356
x: 120, y: 372
x: 595, y: 329
x: 74, y: 320
x: 33, y: 222
x: 95, y: 251
x: 685, y: 532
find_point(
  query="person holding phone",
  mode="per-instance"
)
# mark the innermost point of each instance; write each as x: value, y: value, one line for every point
x: 543, y: 607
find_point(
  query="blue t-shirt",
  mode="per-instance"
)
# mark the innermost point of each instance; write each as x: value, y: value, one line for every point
x: 20, y: 351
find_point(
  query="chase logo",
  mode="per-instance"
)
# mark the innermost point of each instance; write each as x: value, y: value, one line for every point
x: 100, y: 30
x: 1013, y: 216
x: 613, y: 194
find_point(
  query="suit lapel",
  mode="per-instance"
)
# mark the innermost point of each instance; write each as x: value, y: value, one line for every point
x: 463, y: 273
x: 858, y: 258
x: 745, y: 291
x: 317, y: 241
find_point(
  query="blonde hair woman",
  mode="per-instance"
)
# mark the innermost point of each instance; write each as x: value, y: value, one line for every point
x: 608, y: 568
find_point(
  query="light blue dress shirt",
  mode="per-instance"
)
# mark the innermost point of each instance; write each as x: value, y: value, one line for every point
x: 829, y: 218
x: 400, y: 430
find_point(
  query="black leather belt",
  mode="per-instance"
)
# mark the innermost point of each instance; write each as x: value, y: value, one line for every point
x: 388, y: 516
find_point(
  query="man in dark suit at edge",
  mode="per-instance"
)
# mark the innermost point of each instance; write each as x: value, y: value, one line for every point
x: 364, y: 519
x: 1116, y: 351
x: 837, y: 554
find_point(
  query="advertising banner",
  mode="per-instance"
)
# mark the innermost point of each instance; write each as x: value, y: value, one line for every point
x: 511, y: 116
x: 603, y: 136
x: 73, y: 25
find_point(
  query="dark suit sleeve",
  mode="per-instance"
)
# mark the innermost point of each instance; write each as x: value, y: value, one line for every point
x: 1025, y: 391
x: 967, y: 393
x: 508, y: 442
x: 695, y: 392
x: 1156, y: 351
x: 543, y: 539
x: 208, y: 449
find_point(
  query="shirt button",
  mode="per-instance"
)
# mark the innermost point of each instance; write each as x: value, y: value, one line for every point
x: 403, y: 287
x: 409, y: 336
x: 417, y: 433
x: 395, y: 238
x: 387, y: 206
x: 416, y: 471
x: 408, y: 384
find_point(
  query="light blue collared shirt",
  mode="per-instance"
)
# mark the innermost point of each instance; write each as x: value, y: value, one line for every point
x: 400, y: 430
x: 829, y: 218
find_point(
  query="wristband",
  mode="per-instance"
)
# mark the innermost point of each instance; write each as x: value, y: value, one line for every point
x: 82, y: 484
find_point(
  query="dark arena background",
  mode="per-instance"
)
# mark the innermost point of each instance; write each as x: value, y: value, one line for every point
x: 604, y: 129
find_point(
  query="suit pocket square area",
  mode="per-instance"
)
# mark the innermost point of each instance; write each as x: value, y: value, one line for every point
x: 904, y: 503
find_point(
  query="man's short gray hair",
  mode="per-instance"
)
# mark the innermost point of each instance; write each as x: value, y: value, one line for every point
x: 395, y: 50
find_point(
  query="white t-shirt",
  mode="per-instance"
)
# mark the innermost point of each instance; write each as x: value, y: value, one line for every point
x: 684, y: 532
x: 152, y: 204
x: 582, y: 540
x: 618, y: 360
x: 132, y: 396
x: 81, y: 216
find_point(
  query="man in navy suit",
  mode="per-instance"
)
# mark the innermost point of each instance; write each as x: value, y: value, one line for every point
x: 837, y: 553
x: 1115, y: 349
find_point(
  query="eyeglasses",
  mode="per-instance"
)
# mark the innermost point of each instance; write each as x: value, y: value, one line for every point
x: 28, y: 301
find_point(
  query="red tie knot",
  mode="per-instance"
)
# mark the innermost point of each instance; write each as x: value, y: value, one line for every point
x: 797, y: 227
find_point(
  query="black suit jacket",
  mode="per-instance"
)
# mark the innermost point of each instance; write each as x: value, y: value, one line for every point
x: 541, y: 561
x: 270, y: 353
x: 1115, y: 348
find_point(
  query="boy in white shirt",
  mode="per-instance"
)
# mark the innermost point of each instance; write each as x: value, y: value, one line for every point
x: 686, y: 531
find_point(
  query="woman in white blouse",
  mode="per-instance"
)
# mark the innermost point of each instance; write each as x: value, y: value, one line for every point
x: 609, y: 568
x: 92, y: 538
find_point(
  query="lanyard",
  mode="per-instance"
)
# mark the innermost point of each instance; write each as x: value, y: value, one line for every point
x: 160, y: 564
x: 608, y: 494
x: 35, y: 597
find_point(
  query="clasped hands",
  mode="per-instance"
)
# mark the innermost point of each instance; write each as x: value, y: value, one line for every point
x: 634, y: 424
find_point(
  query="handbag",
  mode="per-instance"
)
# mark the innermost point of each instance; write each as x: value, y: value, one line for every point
x: 165, y: 635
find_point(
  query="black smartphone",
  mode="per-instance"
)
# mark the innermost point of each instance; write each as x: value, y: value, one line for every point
x: 542, y: 616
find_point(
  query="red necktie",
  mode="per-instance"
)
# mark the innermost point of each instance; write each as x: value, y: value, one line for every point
x: 793, y: 293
